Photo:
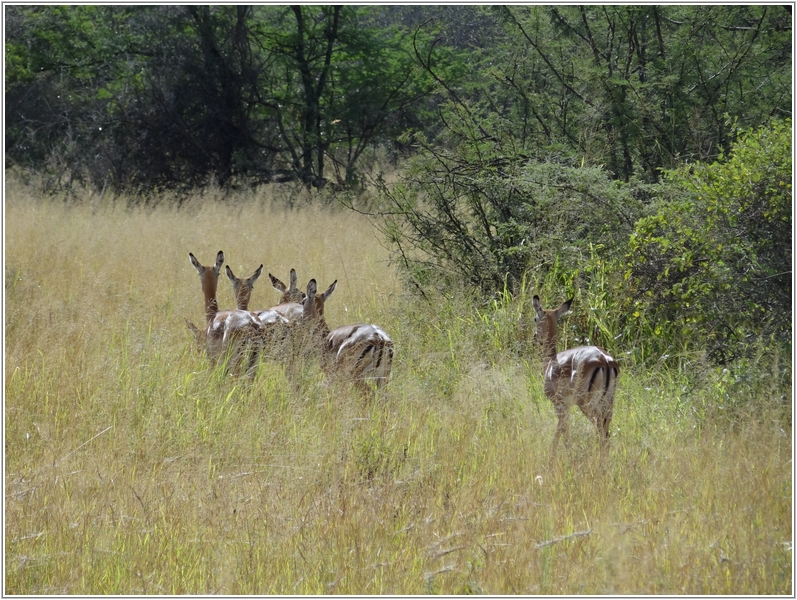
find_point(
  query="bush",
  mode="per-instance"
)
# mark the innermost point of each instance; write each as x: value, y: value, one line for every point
x: 714, y: 259
x: 481, y: 212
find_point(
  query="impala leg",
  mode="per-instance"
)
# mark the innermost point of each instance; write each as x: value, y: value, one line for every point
x: 604, y: 420
x: 252, y: 359
x: 381, y: 382
x: 562, y: 428
x: 364, y: 388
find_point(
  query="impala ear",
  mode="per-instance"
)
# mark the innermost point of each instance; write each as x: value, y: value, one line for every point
x: 230, y: 275
x: 312, y: 287
x: 276, y: 283
x: 199, y: 268
x: 564, y: 309
x: 330, y: 289
x: 219, y: 260
x: 293, y: 279
x: 255, y: 275
x: 535, y: 302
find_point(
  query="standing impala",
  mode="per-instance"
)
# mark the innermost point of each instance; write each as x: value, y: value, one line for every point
x: 229, y: 332
x: 242, y: 288
x: 357, y: 353
x: 275, y: 330
x: 311, y: 330
x: 585, y: 376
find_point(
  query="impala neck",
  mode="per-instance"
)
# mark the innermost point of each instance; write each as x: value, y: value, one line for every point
x: 211, y: 304
x: 548, y: 337
x: 549, y: 345
x: 242, y: 300
x: 313, y: 314
x: 545, y: 332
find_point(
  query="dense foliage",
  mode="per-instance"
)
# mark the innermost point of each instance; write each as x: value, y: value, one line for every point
x: 642, y: 87
x: 136, y: 96
x: 182, y: 95
x: 631, y: 173
x: 714, y: 257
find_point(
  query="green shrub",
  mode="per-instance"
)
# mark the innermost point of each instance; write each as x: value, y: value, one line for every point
x: 712, y: 263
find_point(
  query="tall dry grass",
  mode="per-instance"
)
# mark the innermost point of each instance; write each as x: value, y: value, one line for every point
x: 134, y: 468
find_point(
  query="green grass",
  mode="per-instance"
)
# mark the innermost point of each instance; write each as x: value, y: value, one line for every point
x: 134, y: 468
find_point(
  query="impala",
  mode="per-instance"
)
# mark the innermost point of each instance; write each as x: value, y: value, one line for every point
x: 242, y: 289
x: 310, y: 330
x: 585, y: 376
x: 290, y: 305
x: 274, y: 331
x: 361, y: 353
x: 357, y: 353
x: 228, y: 332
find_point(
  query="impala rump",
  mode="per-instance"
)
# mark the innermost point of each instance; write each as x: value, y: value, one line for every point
x: 362, y: 352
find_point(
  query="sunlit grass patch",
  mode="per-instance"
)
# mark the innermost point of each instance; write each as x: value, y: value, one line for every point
x: 133, y: 466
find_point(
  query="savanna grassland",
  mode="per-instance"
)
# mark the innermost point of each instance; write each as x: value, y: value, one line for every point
x: 132, y: 467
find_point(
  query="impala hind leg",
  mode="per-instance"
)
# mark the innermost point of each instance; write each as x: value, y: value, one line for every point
x: 599, y: 413
x: 603, y: 421
x: 562, y: 427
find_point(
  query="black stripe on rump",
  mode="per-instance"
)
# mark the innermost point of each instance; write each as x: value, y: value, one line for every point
x: 609, y: 372
x: 365, y: 351
x: 592, y: 379
x: 381, y: 354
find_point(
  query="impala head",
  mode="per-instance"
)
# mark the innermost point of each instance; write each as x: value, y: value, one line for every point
x: 209, y: 276
x: 314, y: 303
x: 289, y: 294
x: 242, y: 288
x: 545, y: 322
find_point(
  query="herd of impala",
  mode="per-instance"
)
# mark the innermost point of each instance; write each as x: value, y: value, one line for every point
x: 294, y: 328
x: 585, y: 376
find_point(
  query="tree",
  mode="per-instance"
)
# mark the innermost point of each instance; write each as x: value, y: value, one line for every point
x: 344, y: 85
x: 639, y: 88
x: 58, y: 61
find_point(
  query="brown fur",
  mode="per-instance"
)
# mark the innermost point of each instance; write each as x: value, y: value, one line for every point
x: 242, y: 288
x: 360, y: 353
x: 209, y: 277
x: 290, y: 304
